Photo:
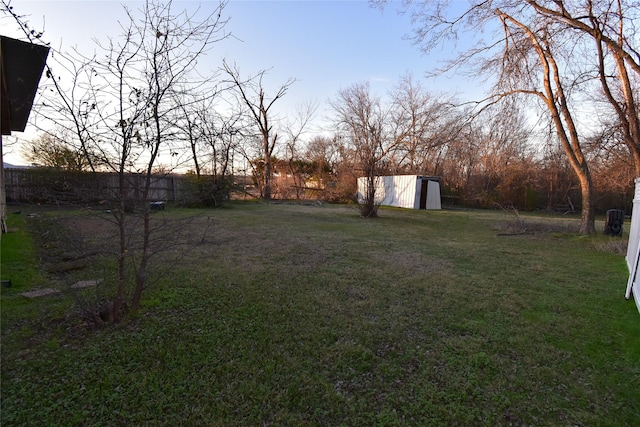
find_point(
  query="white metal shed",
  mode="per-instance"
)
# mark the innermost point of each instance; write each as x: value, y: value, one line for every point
x: 404, y: 191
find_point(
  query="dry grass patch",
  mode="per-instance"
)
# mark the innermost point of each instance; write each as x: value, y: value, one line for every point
x: 516, y: 225
x: 613, y: 245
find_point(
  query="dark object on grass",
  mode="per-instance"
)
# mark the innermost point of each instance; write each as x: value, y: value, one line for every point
x: 613, y: 223
x: 6, y: 283
x: 157, y: 206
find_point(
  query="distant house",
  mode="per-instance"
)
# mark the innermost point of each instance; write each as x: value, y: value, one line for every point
x: 404, y: 191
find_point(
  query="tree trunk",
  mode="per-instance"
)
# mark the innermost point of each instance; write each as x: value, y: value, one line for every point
x: 267, y: 172
x: 141, y: 274
x: 587, y: 223
x: 556, y: 101
x: 636, y: 158
x: 116, y: 306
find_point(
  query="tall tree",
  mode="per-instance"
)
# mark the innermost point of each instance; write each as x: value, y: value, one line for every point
x: 422, y: 122
x: 120, y: 106
x: 364, y: 121
x: 293, y: 131
x: 522, y: 42
x: 160, y: 51
x: 612, y: 28
x: 546, y: 50
x: 259, y: 106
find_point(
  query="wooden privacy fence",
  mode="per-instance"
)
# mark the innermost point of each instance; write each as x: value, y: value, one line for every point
x: 41, y: 185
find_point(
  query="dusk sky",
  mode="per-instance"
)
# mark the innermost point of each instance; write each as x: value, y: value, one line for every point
x: 324, y: 45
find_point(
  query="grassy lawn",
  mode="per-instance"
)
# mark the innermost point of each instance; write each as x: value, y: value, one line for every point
x: 295, y: 315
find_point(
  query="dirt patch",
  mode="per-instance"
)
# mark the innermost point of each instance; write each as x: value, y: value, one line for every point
x: 37, y: 293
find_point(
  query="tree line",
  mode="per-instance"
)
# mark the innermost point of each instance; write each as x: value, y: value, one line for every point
x: 496, y: 158
x: 524, y: 145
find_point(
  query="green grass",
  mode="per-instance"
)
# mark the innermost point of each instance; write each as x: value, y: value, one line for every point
x: 309, y: 315
x: 18, y: 254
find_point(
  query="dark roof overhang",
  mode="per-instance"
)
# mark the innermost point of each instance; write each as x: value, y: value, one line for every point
x: 21, y: 65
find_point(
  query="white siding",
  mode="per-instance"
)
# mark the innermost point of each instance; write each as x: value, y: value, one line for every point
x: 402, y: 191
x: 399, y: 191
x: 433, y: 195
x: 633, y: 249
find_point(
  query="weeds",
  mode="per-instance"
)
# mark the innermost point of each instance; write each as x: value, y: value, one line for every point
x: 613, y: 245
x: 515, y: 224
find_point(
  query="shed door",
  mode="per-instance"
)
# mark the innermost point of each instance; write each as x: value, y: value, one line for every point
x: 423, y: 194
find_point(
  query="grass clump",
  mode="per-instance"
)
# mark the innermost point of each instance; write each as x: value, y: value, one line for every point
x: 310, y: 315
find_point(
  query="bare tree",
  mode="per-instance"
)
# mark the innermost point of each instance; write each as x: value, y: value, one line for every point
x: 612, y: 165
x: 458, y: 158
x: 612, y: 27
x: 189, y: 122
x: 294, y: 130
x: 210, y: 138
x: 120, y: 106
x: 364, y: 121
x: 503, y: 157
x: 219, y: 135
x: 544, y: 52
x: 159, y: 52
x: 252, y: 95
x: 523, y: 41
x: 422, y: 122
x: 323, y: 153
